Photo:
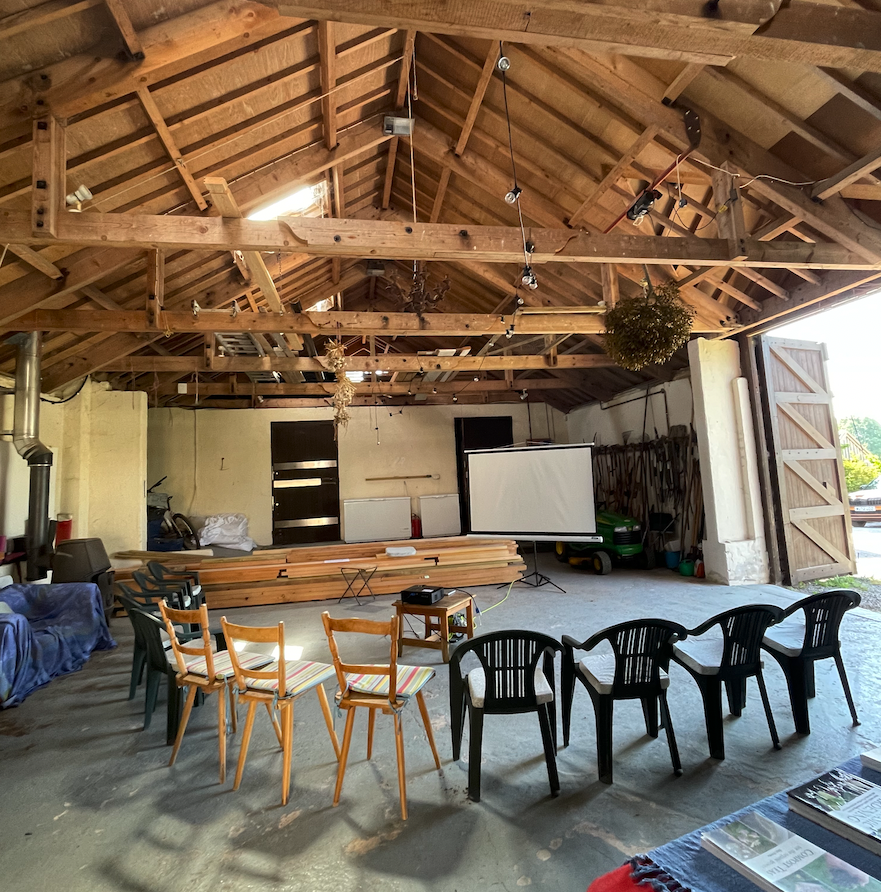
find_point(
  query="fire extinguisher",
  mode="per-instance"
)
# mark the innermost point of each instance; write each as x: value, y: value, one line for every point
x: 415, y: 526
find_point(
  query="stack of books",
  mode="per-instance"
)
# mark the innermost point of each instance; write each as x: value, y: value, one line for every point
x: 778, y: 860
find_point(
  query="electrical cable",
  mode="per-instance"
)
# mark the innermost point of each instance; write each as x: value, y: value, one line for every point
x: 67, y: 399
x: 493, y: 606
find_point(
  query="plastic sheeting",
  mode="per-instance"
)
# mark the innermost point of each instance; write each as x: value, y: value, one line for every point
x: 53, y: 631
x: 227, y: 530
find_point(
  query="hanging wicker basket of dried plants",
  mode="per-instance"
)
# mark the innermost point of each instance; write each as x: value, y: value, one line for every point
x: 648, y: 329
x: 336, y: 361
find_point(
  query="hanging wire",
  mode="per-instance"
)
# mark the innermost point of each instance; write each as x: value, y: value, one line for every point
x: 526, y: 254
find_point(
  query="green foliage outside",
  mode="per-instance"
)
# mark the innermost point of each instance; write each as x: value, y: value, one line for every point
x: 866, y: 430
x: 858, y: 472
x: 858, y: 583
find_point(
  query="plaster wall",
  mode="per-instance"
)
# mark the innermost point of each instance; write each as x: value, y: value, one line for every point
x: 607, y: 427
x: 219, y: 461
x: 734, y: 549
x: 99, y: 443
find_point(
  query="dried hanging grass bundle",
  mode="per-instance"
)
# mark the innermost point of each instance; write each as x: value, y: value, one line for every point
x: 336, y: 361
x: 648, y: 329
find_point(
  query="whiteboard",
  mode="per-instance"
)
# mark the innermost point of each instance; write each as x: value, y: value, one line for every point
x: 532, y: 492
x: 375, y: 520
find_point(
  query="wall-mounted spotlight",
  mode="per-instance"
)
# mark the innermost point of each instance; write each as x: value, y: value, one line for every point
x: 527, y: 277
x: 76, y: 199
x: 513, y: 194
x: 642, y: 205
x: 523, y: 394
x: 520, y: 301
x: 455, y: 398
x: 503, y: 63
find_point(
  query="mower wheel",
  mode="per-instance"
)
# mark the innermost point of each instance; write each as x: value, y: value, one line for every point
x: 561, y: 552
x: 602, y: 563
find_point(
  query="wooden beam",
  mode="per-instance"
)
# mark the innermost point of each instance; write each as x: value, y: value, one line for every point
x: 155, y: 287
x: 126, y: 30
x: 614, y: 174
x: 720, y: 143
x: 394, y: 363
x: 853, y: 91
x: 168, y: 142
x: 400, y: 95
x: 421, y: 241
x: 43, y: 14
x: 849, y: 175
x: 383, y: 324
x: 442, y: 184
x: 610, y: 285
x: 327, y: 77
x: 49, y: 175
x: 37, y: 261
x: 380, y: 388
x: 682, y: 81
x: 810, y: 33
x: 35, y: 290
x: 489, y: 65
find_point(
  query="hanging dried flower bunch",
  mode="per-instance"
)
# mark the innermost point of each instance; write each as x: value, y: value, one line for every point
x: 337, y: 361
x: 648, y: 329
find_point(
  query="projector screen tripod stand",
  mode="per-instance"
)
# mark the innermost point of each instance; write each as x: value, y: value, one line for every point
x: 536, y: 579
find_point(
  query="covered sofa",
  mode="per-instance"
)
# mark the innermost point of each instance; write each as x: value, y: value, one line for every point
x: 50, y: 631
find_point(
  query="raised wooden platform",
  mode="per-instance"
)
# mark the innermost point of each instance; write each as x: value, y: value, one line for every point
x: 313, y: 573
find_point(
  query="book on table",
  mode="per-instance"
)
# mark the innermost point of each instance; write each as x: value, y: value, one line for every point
x: 872, y: 759
x: 843, y: 803
x: 778, y: 860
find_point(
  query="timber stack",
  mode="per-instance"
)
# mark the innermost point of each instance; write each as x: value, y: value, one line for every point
x: 313, y: 573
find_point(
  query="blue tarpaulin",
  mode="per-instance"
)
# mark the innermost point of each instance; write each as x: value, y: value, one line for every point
x: 53, y: 630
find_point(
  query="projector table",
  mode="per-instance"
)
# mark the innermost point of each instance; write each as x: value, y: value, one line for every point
x: 437, y: 622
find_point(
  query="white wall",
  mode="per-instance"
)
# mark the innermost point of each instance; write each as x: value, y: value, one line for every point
x: 99, y: 443
x: 219, y: 460
x: 607, y: 427
x: 734, y: 550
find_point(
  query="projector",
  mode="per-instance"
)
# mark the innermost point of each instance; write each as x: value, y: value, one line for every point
x: 392, y: 126
x: 422, y: 594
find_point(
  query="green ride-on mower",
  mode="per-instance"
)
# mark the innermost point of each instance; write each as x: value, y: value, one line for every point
x: 622, y: 541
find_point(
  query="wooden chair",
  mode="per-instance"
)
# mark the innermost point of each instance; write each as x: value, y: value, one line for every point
x: 635, y: 670
x: 200, y: 668
x: 797, y: 645
x: 730, y: 659
x: 276, y: 685
x: 515, y: 675
x: 386, y: 688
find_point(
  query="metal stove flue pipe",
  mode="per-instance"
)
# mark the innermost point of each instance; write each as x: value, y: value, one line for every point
x: 25, y: 437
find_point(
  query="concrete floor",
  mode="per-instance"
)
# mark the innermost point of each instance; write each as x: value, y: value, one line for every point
x: 88, y: 802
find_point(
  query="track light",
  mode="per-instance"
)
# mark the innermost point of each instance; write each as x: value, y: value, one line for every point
x: 509, y: 333
x: 78, y: 198
x: 455, y: 398
x: 476, y: 378
x: 523, y: 394
x: 527, y: 277
x: 520, y: 301
x: 642, y: 205
x: 434, y: 390
x: 503, y: 63
x: 513, y: 194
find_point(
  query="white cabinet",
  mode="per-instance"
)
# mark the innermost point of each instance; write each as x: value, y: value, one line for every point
x: 440, y: 515
x: 376, y: 520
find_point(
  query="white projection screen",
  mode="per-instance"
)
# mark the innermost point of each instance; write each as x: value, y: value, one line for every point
x: 537, y: 493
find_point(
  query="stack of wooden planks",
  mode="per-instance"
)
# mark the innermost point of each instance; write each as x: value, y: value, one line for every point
x: 312, y: 573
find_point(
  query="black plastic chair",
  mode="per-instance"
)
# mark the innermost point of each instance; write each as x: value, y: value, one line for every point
x: 180, y: 590
x: 167, y: 577
x: 729, y: 659
x: 796, y: 646
x: 636, y: 670
x: 508, y: 680
x: 147, y: 628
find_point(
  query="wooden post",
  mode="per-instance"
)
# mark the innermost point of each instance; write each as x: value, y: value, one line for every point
x: 729, y: 207
x: 49, y: 167
x: 611, y: 291
x: 155, y: 286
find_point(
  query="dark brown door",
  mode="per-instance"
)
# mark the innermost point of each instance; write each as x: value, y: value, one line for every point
x: 488, y: 432
x: 305, y: 483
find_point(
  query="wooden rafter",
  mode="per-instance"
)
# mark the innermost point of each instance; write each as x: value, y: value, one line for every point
x: 803, y: 32
x: 126, y: 29
x: 327, y: 70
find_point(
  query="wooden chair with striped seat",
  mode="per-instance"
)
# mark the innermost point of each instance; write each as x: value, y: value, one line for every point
x: 276, y: 685
x: 377, y: 688
x: 200, y: 668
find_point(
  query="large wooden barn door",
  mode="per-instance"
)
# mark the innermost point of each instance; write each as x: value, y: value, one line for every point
x: 810, y: 475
